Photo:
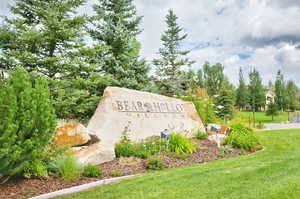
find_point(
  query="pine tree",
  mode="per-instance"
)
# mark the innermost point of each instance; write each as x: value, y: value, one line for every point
x: 242, y: 93
x: 280, y: 95
x: 213, y: 78
x: 291, y: 96
x: 116, y: 26
x: 224, y: 104
x: 257, y: 96
x: 272, y: 110
x: 27, y: 121
x: 47, y: 37
x: 173, y: 59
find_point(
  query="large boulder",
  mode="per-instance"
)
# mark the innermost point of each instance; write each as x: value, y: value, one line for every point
x: 74, y: 134
x: 140, y: 115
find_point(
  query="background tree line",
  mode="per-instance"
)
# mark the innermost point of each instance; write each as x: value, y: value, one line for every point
x: 81, y: 55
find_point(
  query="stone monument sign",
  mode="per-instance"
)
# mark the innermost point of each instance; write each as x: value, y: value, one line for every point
x: 140, y: 115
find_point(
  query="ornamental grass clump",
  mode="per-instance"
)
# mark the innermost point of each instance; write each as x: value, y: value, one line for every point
x: 143, y: 149
x: 242, y: 136
x: 155, y: 163
x: 66, y: 167
x: 27, y: 123
x: 92, y: 171
x: 181, y: 144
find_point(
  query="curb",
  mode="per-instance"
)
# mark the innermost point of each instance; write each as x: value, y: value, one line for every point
x: 81, y: 188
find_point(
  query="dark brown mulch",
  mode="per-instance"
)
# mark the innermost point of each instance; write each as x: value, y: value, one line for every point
x: 25, y: 188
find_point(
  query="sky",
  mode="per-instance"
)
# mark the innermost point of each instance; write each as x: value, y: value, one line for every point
x: 261, y: 34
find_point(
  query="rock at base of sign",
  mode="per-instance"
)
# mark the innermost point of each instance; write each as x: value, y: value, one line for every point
x: 219, y: 139
x: 96, y: 153
x: 73, y: 134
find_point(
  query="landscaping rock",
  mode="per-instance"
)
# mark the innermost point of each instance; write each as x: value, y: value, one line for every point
x: 96, y: 153
x: 72, y: 135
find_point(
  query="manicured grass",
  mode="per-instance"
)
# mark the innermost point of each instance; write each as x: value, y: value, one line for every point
x: 261, y: 117
x: 268, y: 174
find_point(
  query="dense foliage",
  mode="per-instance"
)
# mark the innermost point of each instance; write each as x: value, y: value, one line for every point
x: 205, y: 108
x: 181, y: 144
x: 149, y: 146
x: 155, y: 163
x: 91, y: 171
x: 242, y: 136
x: 48, y: 37
x: 116, y: 26
x: 27, y: 121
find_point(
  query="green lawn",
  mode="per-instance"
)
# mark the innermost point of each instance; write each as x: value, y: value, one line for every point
x: 268, y: 174
x: 261, y: 117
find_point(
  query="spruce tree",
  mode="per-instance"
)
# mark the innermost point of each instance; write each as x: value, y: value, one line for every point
x: 224, y: 104
x: 272, y: 110
x: 242, y: 94
x: 280, y: 95
x: 291, y: 96
x: 213, y: 78
x: 116, y: 26
x: 257, y: 96
x: 172, y: 57
x: 47, y: 37
x: 27, y: 121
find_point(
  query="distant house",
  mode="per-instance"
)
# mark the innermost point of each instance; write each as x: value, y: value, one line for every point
x: 270, y: 95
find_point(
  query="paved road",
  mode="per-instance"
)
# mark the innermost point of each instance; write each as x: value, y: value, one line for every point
x: 282, y: 126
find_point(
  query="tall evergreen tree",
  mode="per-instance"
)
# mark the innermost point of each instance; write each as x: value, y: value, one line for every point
x: 242, y: 92
x: 173, y: 58
x: 213, y: 78
x: 256, y: 91
x: 280, y: 95
x: 291, y: 96
x: 116, y: 26
x: 47, y: 37
x: 224, y: 104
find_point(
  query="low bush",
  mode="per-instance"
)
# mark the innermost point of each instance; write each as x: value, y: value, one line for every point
x: 180, y: 144
x: 125, y: 148
x: 116, y: 173
x: 144, y: 149
x: 36, y: 169
x: 180, y: 156
x: 155, y: 163
x: 242, y: 136
x: 225, y: 149
x: 91, y: 171
x: 66, y: 167
x: 201, y: 135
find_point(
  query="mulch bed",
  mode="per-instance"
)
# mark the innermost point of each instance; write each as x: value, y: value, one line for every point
x: 25, y: 188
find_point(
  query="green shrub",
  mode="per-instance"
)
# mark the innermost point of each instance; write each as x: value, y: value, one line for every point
x: 155, y: 163
x: 180, y: 144
x: 201, y: 135
x: 66, y: 167
x: 242, y: 136
x: 124, y: 148
x: 180, y: 156
x: 115, y: 173
x: 27, y: 121
x: 36, y: 169
x: 226, y: 149
x: 150, y: 146
x: 92, y: 171
x: 205, y: 108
